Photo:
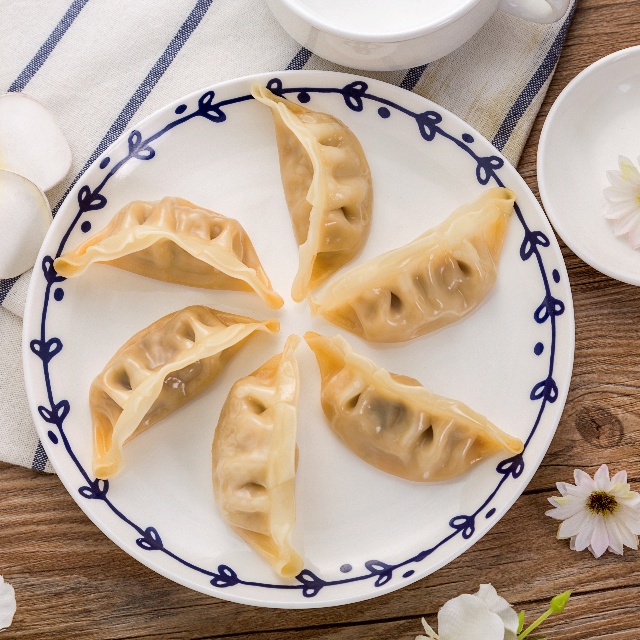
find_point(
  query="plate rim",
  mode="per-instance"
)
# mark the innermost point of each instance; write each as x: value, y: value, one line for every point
x: 545, y: 136
x: 131, y: 549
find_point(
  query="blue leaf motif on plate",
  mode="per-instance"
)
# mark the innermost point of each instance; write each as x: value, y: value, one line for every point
x: 137, y: 148
x: 513, y: 466
x: 381, y: 569
x: 90, y: 201
x: 428, y: 124
x: 46, y: 349
x: 547, y: 389
x: 208, y: 109
x: 531, y: 240
x: 353, y: 94
x: 550, y: 307
x: 96, y: 490
x: 49, y: 272
x: 464, y: 524
x: 151, y: 540
x: 226, y: 577
x: 57, y: 414
x: 487, y: 167
x: 275, y: 86
x: 312, y: 584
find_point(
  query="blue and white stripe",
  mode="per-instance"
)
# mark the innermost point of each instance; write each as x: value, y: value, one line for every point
x: 104, y: 64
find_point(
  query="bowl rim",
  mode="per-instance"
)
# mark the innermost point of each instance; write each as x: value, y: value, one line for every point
x: 546, y: 135
x: 303, y: 13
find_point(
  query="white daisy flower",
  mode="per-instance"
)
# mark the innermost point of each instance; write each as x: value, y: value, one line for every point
x: 7, y: 604
x: 483, y: 616
x: 623, y: 201
x: 598, y: 513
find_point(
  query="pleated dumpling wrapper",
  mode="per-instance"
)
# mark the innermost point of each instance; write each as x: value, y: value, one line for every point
x: 431, y: 282
x: 327, y: 185
x: 254, y: 459
x: 397, y: 425
x: 157, y: 371
x: 175, y: 241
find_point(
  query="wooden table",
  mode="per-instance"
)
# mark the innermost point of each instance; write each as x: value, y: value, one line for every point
x: 72, y: 582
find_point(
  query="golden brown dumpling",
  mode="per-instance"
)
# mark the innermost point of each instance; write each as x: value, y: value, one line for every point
x: 397, y: 425
x: 327, y: 184
x: 433, y: 281
x: 157, y: 371
x: 254, y: 459
x: 175, y: 241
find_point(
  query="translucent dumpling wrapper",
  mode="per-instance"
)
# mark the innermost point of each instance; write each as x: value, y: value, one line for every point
x: 175, y: 241
x: 395, y: 424
x: 254, y: 459
x: 431, y: 282
x: 158, y: 370
x: 327, y: 185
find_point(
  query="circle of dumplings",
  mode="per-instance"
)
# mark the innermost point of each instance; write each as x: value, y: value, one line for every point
x: 356, y: 96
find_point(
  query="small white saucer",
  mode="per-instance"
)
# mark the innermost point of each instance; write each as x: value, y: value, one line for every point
x: 595, y: 119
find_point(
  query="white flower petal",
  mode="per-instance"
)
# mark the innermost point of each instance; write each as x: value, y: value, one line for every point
x: 630, y: 517
x: 583, y: 538
x: 600, y: 537
x: 573, y: 525
x: 584, y: 480
x: 7, y: 604
x: 614, y: 535
x: 628, y: 170
x: 429, y: 631
x: 629, y: 539
x: 601, y: 478
x: 565, y: 512
x: 620, y: 478
x: 501, y: 607
x: 622, y: 491
x: 621, y: 192
x: 467, y: 618
x: 625, y: 223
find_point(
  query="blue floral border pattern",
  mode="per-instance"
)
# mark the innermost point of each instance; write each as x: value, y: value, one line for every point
x: 356, y: 95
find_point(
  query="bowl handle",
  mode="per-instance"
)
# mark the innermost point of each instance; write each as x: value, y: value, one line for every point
x: 542, y: 11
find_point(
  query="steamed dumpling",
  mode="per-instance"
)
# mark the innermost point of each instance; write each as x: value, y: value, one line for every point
x: 175, y: 241
x: 397, y: 425
x: 327, y: 184
x: 433, y: 281
x: 157, y: 371
x: 254, y: 459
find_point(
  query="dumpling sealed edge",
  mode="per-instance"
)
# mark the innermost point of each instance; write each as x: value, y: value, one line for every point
x: 429, y: 283
x: 327, y: 185
x: 395, y: 424
x: 159, y: 369
x: 254, y: 459
x: 176, y: 241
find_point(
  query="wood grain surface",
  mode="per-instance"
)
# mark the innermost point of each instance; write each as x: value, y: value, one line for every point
x: 72, y: 582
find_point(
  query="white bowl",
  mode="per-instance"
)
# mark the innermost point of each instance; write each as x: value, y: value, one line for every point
x: 595, y: 119
x: 382, y: 35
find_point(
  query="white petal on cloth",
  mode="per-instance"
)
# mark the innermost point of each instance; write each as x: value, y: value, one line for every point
x: 7, y: 604
x: 495, y: 82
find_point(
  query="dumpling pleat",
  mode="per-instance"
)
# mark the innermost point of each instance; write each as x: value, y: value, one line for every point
x: 397, y: 425
x: 175, y: 241
x: 155, y: 372
x: 433, y: 281
x: 254, y: 459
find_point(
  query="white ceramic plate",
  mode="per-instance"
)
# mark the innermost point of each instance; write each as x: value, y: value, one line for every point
x: 362, y: 532
x: 595, y: 119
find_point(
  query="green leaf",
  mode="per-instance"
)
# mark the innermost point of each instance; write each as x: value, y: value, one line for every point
x: 520, y: 621
x: 559, y: 602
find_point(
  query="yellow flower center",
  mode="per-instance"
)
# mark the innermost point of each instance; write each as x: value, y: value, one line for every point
x: 602, y: 503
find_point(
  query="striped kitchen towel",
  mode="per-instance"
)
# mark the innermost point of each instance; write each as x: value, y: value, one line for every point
x: 101, y: 66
